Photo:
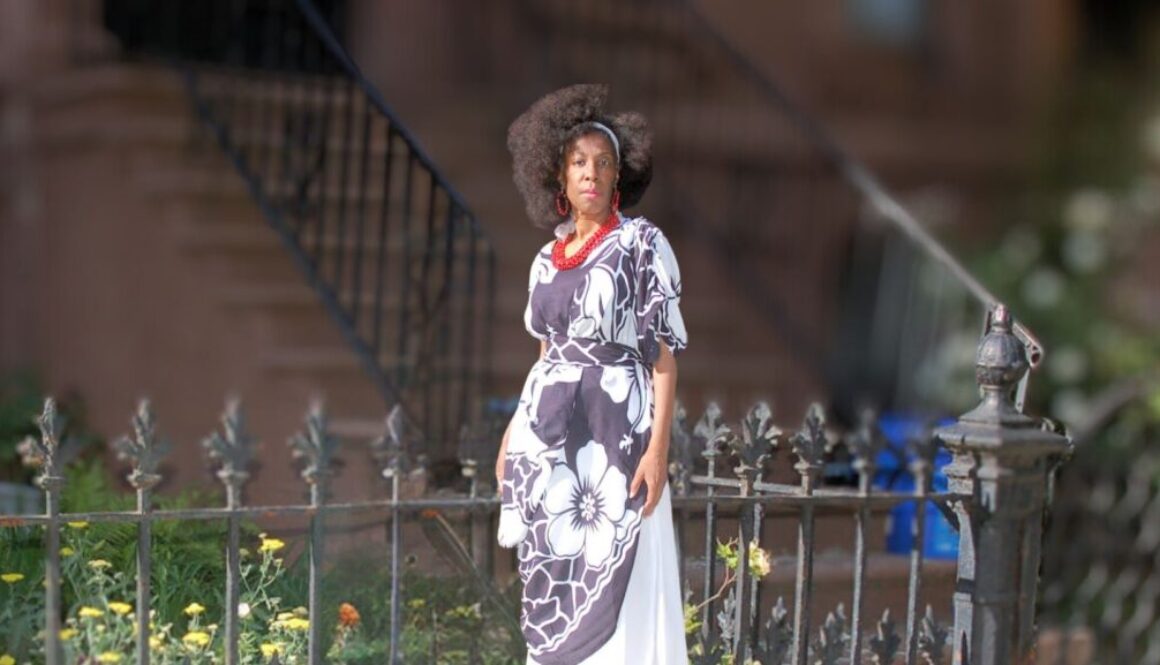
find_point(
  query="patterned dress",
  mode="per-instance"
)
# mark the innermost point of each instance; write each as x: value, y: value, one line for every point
x: 582, y: 424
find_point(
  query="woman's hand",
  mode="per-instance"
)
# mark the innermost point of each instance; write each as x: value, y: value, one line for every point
x: 653, y: 473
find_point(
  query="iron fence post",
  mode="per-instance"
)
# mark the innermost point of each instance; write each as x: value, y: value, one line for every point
x: 233, y: 448
x: 145, y: 449
x: 759, y: 439
x: 1001, y: 463
x: 864, y: 443
x: 316, y: 447
x: 45, y: 452
x: 742, y: 617
x: 390, y: 451
x: 810, y: 446
x: 708, y: 430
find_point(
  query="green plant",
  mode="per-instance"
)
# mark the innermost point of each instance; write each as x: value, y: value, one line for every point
x: 441, y: 620
x: 442, y: 616
x: 21, y: 401
x: 1066, y: 263
x: 760, y: 564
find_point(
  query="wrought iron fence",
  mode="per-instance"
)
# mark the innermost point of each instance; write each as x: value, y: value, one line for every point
x: 1100, y: 592
x: 996, y: 494
x: 398, y: 259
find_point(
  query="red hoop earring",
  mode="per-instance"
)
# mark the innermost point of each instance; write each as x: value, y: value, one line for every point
x: 562, y: 203
x: 616, y: 201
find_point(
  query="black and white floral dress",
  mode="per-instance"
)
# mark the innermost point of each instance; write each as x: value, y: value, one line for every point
x: 593, y: 568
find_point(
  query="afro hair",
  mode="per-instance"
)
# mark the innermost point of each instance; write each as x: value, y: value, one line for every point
x: 538, y: 137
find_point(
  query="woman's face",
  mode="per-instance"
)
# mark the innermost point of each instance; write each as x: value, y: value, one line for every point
x: 589, y: 175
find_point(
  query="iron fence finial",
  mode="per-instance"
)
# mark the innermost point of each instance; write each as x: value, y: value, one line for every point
x: 144, y: 449
x: 233, y: 446
x: 315, y: 445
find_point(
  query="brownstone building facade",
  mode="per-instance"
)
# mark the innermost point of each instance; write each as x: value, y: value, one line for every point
x: 132, y: 261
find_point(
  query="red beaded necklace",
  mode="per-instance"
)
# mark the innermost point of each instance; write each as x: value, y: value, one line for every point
x: 569, y: 262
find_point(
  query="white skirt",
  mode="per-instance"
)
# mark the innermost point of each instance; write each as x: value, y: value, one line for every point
x: 651, y: 627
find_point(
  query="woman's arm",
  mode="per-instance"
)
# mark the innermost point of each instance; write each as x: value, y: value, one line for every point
x: 507, y: 433
x: 653, y: 469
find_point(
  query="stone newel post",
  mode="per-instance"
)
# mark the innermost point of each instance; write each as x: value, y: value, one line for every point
x: 1001, y: 463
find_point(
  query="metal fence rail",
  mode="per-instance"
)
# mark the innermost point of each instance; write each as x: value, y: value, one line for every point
x: 997, y: 494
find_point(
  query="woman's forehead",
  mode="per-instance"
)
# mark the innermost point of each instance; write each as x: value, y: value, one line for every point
x: 593, y: 142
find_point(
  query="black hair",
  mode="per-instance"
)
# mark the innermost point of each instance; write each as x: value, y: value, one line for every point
x: 537, y: 140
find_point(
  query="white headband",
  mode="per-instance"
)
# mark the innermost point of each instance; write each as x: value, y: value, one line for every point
x: 611, y: 136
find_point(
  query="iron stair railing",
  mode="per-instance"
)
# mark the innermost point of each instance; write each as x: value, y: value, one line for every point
x: 396, y: 256
x: 667, y: 59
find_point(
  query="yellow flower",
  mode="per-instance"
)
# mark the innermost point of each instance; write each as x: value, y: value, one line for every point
x: 154, y: 642
x: 90, y: 613
x: 12, y: 578
x: 196, y: 638
x: 759, y: 561
x: 298, y: 623
x: 268, y: 649
x: 416, y: 603
x: 99, y: 564
x: 120, y: 608
x: 67, y: 551
x: 67, y: 634
x: 109, y: 657
x: 285, y: 616
x: 194, y: 609
x: 692, y: 620
x: 7, y: 660
x: 271, y: 545
x: 79, y: 525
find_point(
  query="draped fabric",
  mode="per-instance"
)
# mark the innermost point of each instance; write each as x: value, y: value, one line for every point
x: 582, y: 424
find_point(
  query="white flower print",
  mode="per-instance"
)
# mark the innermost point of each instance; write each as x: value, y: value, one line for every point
x: 632, y: 384
x: 541, y: 376
x: 615, y: 382
x: 585, y: 508
x: 595, y: 300
x: 543, y: 272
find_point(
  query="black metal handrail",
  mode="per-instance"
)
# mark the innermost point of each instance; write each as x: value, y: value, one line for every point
x: 666, y: 58
x: 393, y: 251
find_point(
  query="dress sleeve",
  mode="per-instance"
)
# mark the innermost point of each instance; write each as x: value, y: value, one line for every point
x: 534, y: 278
x: 658, y: 297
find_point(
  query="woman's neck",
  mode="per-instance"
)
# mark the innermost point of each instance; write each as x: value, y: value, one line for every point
x: 586, y: 226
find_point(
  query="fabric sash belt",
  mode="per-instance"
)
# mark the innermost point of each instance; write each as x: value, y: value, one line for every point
x: 588, y: 352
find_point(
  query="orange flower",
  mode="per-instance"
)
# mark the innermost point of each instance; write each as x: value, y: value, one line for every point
x: 348, y: 616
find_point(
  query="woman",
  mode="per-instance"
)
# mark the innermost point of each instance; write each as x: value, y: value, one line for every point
x: 583, y: 463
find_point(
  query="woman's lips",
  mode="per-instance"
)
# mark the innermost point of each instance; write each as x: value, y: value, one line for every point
x: 590, y: 193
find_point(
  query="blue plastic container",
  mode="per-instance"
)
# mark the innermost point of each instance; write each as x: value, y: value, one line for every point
x: 940, y: 540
